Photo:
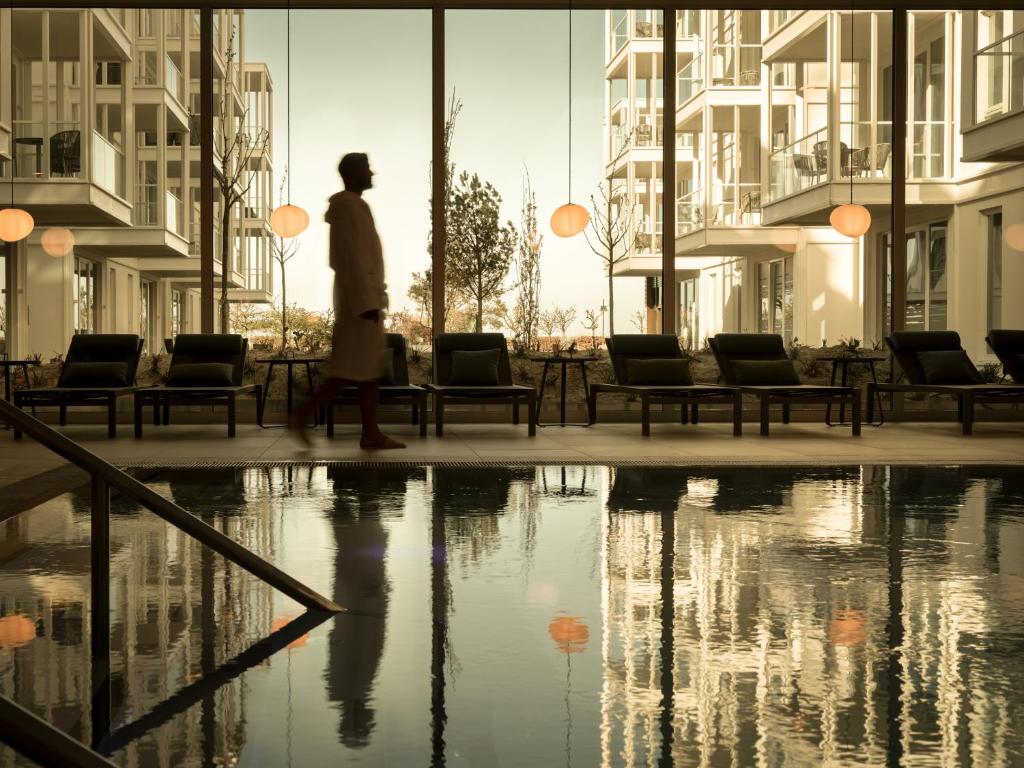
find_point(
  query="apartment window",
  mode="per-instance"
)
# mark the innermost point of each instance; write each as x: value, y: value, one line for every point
x: 927, y: 291
x: 689, y: 319
x: 85, y: 307
x: 995, y: 270
x: 108, y: 73
x: 147, y: 305
x: 177, y: 312
x: 775, y: 292
x: 928, y: 150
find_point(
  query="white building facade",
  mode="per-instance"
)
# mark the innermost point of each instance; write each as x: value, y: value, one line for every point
x: 103, y: 140
x: 781, y: 116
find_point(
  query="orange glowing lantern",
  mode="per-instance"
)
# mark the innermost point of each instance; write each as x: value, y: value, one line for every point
x: 289, y: 220
x: 569, y: 219
x: 16, y: 631
x: 851, y: 220
x: 58, y: 241
x: 849, y: 627
x: 15, y: 224
x: 569, y: 633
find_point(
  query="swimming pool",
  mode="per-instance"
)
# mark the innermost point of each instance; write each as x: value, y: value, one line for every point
x: 536, y: 616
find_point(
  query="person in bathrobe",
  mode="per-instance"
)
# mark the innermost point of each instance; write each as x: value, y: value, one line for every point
x: 360, y: 300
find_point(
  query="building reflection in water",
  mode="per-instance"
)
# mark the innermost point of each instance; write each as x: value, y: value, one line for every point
x: 838, y: 616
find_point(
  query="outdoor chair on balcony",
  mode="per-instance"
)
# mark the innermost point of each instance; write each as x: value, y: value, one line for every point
x: 757, y: 364
x: 65, y: 153
x: 805, y: 168
x: 882, y: 152
x: 821, y: 157
x: 394, y: 387
x: 1008, y: 346
x: 99, y: 368
x: 474, y: 368
x: 652, y: 368
x: 933, y: 362
x: 206, y: 369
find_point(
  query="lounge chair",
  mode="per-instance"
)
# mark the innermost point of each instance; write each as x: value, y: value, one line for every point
x: 1009, y: 348
x: 99, y: 368
x: 394, y: 387
x: 205, y: 369
x: 758, y: 365
x: 652, y: 368
x: 934, y: 362
x: 474, y: 368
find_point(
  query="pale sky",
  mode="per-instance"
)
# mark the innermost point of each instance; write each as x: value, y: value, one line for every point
x: 361, y: 83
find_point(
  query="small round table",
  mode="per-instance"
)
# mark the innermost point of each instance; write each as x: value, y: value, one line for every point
x: 564, y: 362
x: 7, y: 365
x: 289, y: 363
x: 841, y: 364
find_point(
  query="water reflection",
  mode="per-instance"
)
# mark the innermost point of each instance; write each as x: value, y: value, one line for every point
x: 540, y: 616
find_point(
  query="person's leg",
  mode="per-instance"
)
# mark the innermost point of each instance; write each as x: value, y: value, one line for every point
x: 368, y: 394
x: 301, y: 416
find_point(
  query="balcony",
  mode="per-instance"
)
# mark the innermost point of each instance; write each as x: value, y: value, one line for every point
x: 998, y: 130
x: 638, y: 25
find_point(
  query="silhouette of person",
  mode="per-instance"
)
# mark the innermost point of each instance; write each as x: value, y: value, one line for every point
x: 360, y: 300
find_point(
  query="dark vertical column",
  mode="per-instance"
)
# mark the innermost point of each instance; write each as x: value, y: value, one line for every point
x: 668, y: 175
x: 439, y: 634
x: 668, y: 612
x: 439, y: 176
x: 894, y: 636
x: 206, y: 168
x: 99, y: 576
x: 899, y: 170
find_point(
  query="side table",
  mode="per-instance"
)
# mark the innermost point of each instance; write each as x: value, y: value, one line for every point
x: 289, y: 363
x: 563, y: 362
x: 841, y: 365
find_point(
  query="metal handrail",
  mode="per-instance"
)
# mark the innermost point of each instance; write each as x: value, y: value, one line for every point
x: 105, y: 476
x: 30, y: 735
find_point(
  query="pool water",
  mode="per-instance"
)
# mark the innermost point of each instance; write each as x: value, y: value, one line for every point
x: 538, y: 616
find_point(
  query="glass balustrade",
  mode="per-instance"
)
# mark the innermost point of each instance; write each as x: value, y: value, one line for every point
x: 798, y: 166
x: 174, y: 213
x: 144, y: 212
x: 173, y: 80
x: 689, y: 212
x: 107, y: 165
x: 999, y: 77
x: 619, y: 30
x: 690, y: 79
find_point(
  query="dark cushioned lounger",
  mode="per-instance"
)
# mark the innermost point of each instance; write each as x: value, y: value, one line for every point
x: 935, y: 362
x: 99, y: 368
x: 652, y: 368
x: 463, y: 375
x: 758, y: 365
x: 394, y: 388
x: 206, y: 369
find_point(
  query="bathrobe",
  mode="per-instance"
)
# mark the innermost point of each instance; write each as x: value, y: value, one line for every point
x: 358, y: 263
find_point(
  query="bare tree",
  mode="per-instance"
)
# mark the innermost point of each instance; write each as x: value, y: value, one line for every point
x: 522, y: 317
x: 563, y: 317
x: 639, y: 320
x: 612, y: 233
x: 591, y: 319
x: 452, y: 299
x: 548, y: 322
x: 281, y: 251
x: 235, y: 172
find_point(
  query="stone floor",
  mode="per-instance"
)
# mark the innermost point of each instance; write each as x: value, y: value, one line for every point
x: 800, y: 443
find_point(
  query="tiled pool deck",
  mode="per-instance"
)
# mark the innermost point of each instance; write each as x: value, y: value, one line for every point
x: 800, y: 444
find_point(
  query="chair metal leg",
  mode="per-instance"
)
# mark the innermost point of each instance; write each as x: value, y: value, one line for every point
x: 785, y: 413
x: 63, y: 417
x: 855, y: 416
x: 156, y: 411
x: 737, y: 414
x: 111, y: 416
x: 967, y: 408
x: 423, y: 414
x: 439, y: 414
x: 684, y: 414
x: 231, y: 415
x: 330, y: 418
x: 764, y: 415
x: 515, y: 410
x: 415, y: 416
x: 645, y: 416
x: 872, y: 394
x: 592, y: 407
x: 260, y: 402
x: 694, y: 414
x: 167, y: 412
x: 138, y: 414
x: 531, y: 406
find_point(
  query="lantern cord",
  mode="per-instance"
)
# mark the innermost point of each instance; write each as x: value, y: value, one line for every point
x: 288, y: 105
x: 570, y: 101
x: 13, y: 155
x: 853, y: 84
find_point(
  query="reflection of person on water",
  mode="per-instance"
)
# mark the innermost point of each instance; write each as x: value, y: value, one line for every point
x: 356, y: 641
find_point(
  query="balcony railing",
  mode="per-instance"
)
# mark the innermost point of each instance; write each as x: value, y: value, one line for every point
x: 999, y: 75
x: 107, y: 165
x: 173, y: 80
x: 620, y: 33
x: 146, y: 72
x: 690, y: 79
x: 689, y: 212
x: 796, y: 166
x: 736, y: 65
x: 736, y: 205
x: 174, y: 213
x: 928, y: 149
x: 144, y: 212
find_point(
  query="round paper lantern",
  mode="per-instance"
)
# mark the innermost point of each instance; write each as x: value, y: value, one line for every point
x: 289, y: 220
x: 16, y: 630
x: 569, y: 219
x: 569, y: 633
x: 58, y: 241
x: 1014, y: 236
x: 15, y: 224
x: 851, y: 220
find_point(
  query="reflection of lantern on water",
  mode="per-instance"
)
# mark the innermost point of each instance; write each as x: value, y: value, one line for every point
x: 849, y: 627
x: 569, y: 633
x: 284, y: 621
x: 16, y: 631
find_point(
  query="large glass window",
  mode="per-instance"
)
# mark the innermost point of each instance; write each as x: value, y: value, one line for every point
x: 85, y: 304
x: 775, y: 296
x: 995, y: 269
